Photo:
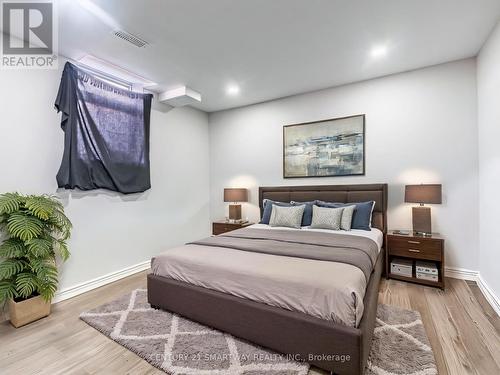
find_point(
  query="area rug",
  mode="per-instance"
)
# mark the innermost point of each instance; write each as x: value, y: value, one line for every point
x: 181, y: 347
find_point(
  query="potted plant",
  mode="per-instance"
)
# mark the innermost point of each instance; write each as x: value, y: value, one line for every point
x: 35, y: 231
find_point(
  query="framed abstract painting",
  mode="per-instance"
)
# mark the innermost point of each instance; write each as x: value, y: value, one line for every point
x: 325, y: 148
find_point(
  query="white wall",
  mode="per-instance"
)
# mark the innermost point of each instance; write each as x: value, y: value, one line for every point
x: 488, y: 84
x: 111, y: 231
x: 421, y: 127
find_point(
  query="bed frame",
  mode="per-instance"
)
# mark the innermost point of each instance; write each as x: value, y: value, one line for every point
x: 333, y: 347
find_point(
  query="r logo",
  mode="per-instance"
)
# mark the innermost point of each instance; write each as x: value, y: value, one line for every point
x: 28, y: 28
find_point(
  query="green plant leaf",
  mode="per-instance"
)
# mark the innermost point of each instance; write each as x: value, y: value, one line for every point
x: 62, y: 249
x: 40, y: 247
x: 55, y: 201
x: 61, y: 223
x: 47, y: 291
x: 24, y: 226
x: 41, y: 206
x: 11, y: 267
x: 12, y: 248
x: 45, y: 269
x: 7, y: 290
x: 47, y: 276
x: 37, y: 230
x: 26, y: 284
x: 10, y: 202
x: 36, y: 264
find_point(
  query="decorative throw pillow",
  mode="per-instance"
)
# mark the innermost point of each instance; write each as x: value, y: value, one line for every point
x: 346, y: 220
x: 286, y: 216
x: 308, y: 211
x: 326, y: 217
x: 362, y: 217
x: 268, y: 207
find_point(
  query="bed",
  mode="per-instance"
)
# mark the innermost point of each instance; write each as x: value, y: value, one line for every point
x: 325, y: 335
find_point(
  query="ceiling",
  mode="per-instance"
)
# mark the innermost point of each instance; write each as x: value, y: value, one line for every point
x: 271, y: 49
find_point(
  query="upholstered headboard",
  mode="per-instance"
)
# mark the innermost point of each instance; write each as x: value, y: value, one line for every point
x: 333, y: 193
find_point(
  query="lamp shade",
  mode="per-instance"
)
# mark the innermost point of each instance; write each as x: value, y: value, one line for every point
x: 235, y: 195
x: 430, y: 193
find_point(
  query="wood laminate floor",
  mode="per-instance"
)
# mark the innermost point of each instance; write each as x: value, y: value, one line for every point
x: 463, y: 329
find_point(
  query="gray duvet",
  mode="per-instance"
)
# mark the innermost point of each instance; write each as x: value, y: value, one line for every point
x: 320, y: 274
x: 331, y: 247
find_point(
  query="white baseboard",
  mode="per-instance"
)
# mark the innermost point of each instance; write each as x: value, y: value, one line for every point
x: 464, y: 274
x: 489, y: 294
x: 87, y: 286
x: 461, y: 273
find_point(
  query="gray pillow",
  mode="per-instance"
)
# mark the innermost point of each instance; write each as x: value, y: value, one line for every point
x: 362, y: 217
x: 268, y: 207
x: 286, y: 216
x: 346, y: 220
x: 326, y: 217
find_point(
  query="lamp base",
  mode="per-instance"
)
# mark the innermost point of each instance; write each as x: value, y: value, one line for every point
x: 422, y: 234
x: 422, y: 221
x: 235, y: 212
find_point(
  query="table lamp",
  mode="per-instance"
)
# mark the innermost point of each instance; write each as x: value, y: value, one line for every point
x: 235, y: 195
x: 421, y: 216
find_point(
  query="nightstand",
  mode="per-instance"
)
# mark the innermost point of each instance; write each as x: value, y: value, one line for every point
x: 223, y: 226
x: 413, y: 247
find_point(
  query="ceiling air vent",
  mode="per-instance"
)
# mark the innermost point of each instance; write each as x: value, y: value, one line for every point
x: 136, y: 41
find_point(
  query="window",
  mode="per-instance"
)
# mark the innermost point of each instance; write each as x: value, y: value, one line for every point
x: 106, y: 134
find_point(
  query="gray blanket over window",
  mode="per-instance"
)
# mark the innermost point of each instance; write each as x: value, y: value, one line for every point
x: 106, y: 142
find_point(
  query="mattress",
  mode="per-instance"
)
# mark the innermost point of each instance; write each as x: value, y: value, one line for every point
x: 328, y: 290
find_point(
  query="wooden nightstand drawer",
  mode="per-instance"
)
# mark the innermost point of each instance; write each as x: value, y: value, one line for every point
x: 415, y: 243
x: 221, y: 227
x: 416, y: 248
x: 412, y: 252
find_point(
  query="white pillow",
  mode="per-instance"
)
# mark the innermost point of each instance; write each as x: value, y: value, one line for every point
x: 287, y: 216
x: 346, y: 220
x: 326, y: 217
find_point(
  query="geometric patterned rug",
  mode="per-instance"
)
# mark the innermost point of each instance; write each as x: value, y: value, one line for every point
x: 400, y: 344
x: 179, y: 346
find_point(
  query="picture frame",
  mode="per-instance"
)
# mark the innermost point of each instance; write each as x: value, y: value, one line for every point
x: 325, y: 148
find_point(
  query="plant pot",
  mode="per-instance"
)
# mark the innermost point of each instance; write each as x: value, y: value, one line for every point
x: 28, y: 310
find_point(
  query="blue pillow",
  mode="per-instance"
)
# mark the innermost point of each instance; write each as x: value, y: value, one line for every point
x: 268, y: 208
x: 308, y: 212
x: 361, y: 219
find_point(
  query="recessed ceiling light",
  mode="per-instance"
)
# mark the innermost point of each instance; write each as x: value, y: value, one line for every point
x: 232, y: 89
x: 378, y: 51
